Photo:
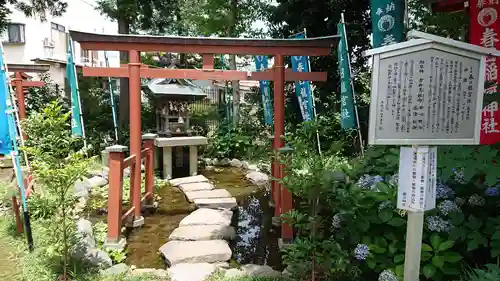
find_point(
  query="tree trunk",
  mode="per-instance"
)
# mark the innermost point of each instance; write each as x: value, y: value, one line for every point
x: 124, y: 114
x: 232, y: 61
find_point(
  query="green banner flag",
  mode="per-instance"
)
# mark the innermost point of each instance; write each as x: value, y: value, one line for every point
x: 346, y: 93
x: 387, y: 22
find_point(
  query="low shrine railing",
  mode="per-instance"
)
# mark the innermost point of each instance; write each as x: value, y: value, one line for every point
x: 117, y: 163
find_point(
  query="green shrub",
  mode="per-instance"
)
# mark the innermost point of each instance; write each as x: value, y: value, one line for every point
x: 491, y: 273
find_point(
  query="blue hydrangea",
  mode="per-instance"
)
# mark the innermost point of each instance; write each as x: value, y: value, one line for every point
x: 337, y: 221
x: 447, y: 207
x: 476, y: 200
x: 493, y: 191
x: 444, y: 192
x: 394, y: 180
x: 387, y: 275
x: 361, y: 252
x: 369, y: 182
x: 437, y: 224
x: 459, y: 175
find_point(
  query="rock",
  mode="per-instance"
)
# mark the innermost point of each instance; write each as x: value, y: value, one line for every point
x: 105, y: 172
x: 192, y: 179
x: 203, y: 232
x: 259, y: 270
x: 115, y: 270
x: 143, y: 167
x: 234, y: 273
x: 191, y: 271
x: 211, y: 251
x: 235, y: 163
x: 216, y: 193
x: 245, y: 165
x: 206, y: 216
x: 98, y: 258
x: 224, y: 162
x: 84, y: 227
x: 82, y: 188
x: 215, y: 162
x: 97, y: 181
x: 257, y: 178
x: 224, y: 265
x: 253, y: 167
x: 197, y: 186
x: 208, y: 161
x: 216, y: 203
x: 286, y: 271
x: 151, y: 271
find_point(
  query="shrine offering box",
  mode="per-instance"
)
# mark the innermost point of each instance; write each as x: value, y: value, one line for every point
x: 427, y: 91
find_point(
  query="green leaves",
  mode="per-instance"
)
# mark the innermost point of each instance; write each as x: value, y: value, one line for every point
x: 435, y: 241
x: 385, y: 215
x: 429, y: 270
x: 438, y: 261
x: 445, y: 246
x: 395, y: 221
x: 451, y: 257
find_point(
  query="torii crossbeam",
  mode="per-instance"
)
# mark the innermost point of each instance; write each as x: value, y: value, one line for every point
x: 207, y: 47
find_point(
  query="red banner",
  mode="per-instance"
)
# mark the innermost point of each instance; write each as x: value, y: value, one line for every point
x: 484, y: 31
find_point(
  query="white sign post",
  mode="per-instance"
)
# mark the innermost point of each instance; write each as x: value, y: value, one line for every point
x: 425, y: 91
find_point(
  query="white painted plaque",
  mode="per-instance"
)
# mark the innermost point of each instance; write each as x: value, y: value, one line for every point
x: 424, y: 93
x: 417, y: 164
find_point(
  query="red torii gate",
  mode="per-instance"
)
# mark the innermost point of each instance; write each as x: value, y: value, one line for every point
x: 207, y: 47
x: 21, y: 84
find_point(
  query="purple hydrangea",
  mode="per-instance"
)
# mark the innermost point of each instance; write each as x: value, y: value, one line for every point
x: 361, y: 252
x: 369, y: 182
x: 437, y: 224
x: 387, y: 275
x: 493, y: 191
x: 447, y: 207
x: 444, y: 192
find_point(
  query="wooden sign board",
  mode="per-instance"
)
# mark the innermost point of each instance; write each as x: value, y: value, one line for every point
x: 427, y: 91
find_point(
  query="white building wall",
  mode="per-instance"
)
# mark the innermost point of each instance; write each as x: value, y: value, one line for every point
x: 80, y: 15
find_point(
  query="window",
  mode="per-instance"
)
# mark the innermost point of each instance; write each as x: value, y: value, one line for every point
x: 14, y: 33
x: 58, y: 27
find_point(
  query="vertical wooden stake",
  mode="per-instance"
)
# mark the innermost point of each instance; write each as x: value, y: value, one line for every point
x: 149, y: 168
x: 115, y: 164
x: 413, y: 249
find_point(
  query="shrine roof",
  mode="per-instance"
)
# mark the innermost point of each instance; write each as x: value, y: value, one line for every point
x: 174, y: 87
x: 119, y: 42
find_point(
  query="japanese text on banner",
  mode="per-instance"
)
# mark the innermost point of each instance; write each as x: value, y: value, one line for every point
x: 484, y: 28
x: 388, y: 22
x: 346, y: 94
x: 303, y: 88
x: 261, y: 64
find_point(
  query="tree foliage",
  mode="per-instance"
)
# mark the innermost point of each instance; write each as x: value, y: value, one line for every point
x: 31, y: 8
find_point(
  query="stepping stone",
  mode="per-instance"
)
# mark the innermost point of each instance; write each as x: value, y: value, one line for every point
x: 191, y: 271
x: 259, y: 270
x: 202, y: 233
x: 206, y: 216
x: 197, y: 186
x: 193, y: 179
x: 216, y: 203
x: 216, y: 193
x: 211, y: 251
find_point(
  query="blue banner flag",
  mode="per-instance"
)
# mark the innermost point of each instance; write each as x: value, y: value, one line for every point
x: 303, y: 88
x: 76, y: 120
x: 261, y: 64
x: 5, y: 139
x: 346, y: 93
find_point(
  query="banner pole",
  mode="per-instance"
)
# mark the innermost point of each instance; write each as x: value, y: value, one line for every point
x: 360, y: 136
x: 313, y: 99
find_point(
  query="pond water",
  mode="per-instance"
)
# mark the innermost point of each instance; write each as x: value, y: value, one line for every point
x: 256, y: 240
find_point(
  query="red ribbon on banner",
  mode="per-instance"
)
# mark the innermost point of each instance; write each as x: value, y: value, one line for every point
x: 484, y: 31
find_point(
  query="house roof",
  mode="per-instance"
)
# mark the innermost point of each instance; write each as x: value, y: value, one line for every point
x: 174, y: 87
x: 32, y: 68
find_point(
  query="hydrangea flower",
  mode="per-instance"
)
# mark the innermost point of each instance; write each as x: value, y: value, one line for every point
x: 385, y: 204
x: 444, y: 192
x: 361, y: 252
x: 369, y: 182
x: 459, y: 175
x: 394, y: 180
x: 447, y: 206
x: 387, y: 275
x: 437, y: 224
x: 476, y: 200
x: 493, y: 191
x: 337, y: 221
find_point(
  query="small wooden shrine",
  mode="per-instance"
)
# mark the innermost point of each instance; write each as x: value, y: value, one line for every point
x: 172, y: 98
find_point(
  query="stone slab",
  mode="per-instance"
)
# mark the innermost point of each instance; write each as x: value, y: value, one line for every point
x: 181, y: 141
x: 216, y: 193
x: 191, y: 271
x: 205, y: 216
x: 216, y: 203
x: 211, y: 251
x: 259, y: 270
x: 196, y: 186
x: 202, y: 233
x: 192, y: 179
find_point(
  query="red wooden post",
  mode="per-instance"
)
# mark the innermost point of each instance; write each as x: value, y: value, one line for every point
x: 279, y: 131
x: 18, y: 83
x: 15, y: 208
x: 149, y: 165
x: 115, y: 164
x: 134, y: 67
